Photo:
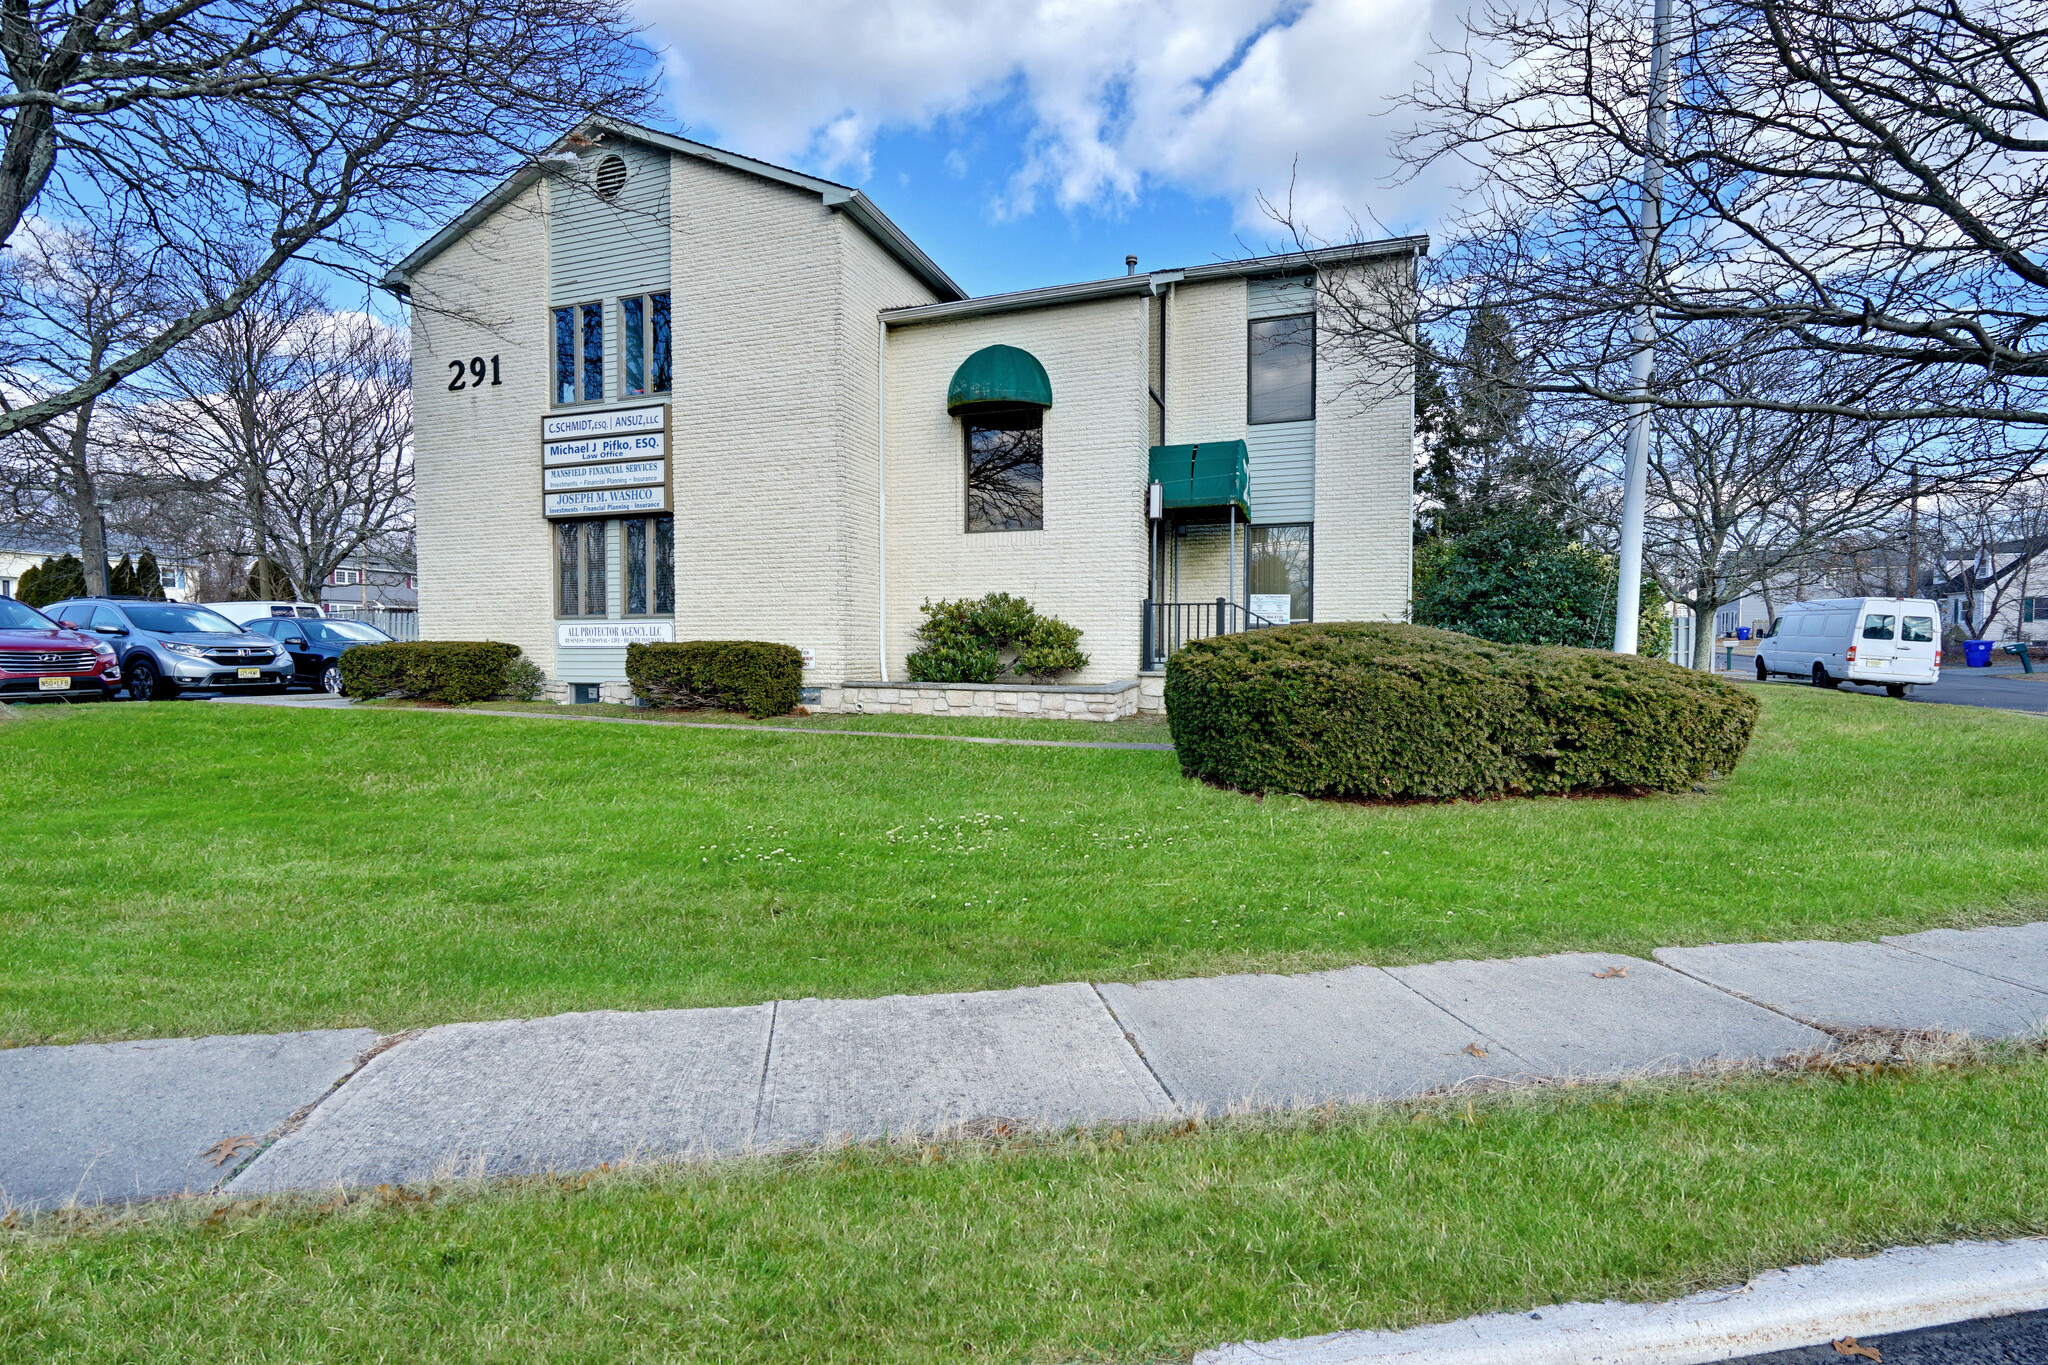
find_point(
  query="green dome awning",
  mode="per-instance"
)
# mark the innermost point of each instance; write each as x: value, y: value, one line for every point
x: 997, y: 375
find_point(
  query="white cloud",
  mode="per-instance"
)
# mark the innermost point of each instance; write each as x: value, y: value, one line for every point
x: 1211, y: 96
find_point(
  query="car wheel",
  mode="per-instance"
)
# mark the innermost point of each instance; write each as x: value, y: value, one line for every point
x: 330, y: 680
x: 1895, y: 690
x: 143, y: 681
x: 1762, y: 674
x: 1821, y: 678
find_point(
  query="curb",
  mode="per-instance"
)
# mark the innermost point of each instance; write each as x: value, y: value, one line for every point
x: 1894, y: 1291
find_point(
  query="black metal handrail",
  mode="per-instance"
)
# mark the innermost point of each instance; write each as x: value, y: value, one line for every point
x: 1166, y: 626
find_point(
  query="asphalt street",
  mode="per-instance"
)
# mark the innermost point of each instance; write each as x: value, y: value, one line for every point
x: 2021, y: 1339
x: 2000, y: 689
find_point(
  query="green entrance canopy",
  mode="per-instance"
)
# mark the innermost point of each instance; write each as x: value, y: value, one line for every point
x: 998, y: 375
x: 1204, y: 474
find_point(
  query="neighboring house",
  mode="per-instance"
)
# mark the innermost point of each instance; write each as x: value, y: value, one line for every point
x: 19, y: 556
x: 370, y: 584
x: 668, y: 392
x: 1997, y: 593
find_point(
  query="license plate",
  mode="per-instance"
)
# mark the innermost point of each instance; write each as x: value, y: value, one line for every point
x: 1874, y: 663
x: 54, y: 684
x: 248, y: 672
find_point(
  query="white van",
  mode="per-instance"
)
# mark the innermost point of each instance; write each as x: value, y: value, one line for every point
x: 242, y: 613
x: 1891, y: 642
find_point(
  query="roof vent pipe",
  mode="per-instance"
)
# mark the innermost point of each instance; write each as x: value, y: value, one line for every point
x: 1130, y: 265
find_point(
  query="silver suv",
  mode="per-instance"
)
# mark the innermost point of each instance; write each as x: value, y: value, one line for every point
x: 168, y: 647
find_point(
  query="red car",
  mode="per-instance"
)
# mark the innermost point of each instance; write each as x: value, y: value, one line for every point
x: 42, y: 661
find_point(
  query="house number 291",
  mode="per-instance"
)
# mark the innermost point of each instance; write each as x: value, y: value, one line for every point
x: 470, y: 374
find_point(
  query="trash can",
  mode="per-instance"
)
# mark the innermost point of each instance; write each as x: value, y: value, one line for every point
x: 1742, y: 632
x: 1977, y: 653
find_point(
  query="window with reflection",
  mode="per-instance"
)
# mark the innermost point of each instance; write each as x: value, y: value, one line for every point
x: 580, y: 549
x: 1006, y: 469
x: 650, y: 567
x: 1282, y: 370
x: 645, y: 365
x: 1281, y: 559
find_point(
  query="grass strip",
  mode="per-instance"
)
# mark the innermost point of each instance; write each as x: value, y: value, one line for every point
x: 191, y: 869
x: 1130, y: 1245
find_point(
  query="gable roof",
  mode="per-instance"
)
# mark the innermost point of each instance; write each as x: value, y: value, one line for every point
x: 841, y: 198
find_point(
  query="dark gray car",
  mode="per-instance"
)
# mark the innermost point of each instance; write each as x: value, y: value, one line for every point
x: 170, y: 647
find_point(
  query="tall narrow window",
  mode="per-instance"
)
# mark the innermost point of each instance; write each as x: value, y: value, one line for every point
x: 593, y: 568
x: 568, y: 535
x: 665, y: 565
x: 1006, y: 470
x: 593, y: 352
x: 1283, y: 370
x: 633, y: 338
x: 565, y: 355
x: 664, y: 369
x: 650, y: 567
x: 636, y: 567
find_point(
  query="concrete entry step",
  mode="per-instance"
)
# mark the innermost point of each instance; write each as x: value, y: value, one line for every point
x: 1865, y: 985
x: 105, y: 1122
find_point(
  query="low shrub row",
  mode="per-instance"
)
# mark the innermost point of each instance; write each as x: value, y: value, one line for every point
x: 452, y: 671
x: 1402, y: 711
x: 732, y: 675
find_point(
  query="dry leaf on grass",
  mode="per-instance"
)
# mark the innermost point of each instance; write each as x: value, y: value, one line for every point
x: 1847, y: 1346
x: 228, y: 1148
x: 1475, y: 1049
x: 1612, y: 972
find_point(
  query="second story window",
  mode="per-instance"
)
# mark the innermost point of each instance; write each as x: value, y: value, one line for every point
x: 579, y: 353
x: 1282, y: 370
x: 644, y: 338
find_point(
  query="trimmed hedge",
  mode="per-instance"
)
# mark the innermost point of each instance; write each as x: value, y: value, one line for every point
x: 453, y: 671
x: 1401, y: 711
x: 730, y: 675
x: 964, y: 641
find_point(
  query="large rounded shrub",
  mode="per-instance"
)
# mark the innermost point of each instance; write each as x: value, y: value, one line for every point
x: 1389, y: 710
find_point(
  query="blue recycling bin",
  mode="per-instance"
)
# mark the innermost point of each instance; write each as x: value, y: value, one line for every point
x: 1977, y: 653
x: 1742, y: 632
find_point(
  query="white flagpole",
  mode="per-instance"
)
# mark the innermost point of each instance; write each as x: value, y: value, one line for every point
x: 1636, y: 473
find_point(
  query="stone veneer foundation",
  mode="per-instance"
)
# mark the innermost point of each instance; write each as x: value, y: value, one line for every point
x: 1101, y: 701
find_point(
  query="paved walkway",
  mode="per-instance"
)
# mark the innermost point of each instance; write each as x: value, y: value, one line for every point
x: 315, y: 1110
x: 326, y: 703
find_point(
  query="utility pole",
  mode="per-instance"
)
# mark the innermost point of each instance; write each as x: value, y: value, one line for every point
x: 1913, y: 537
x: 1650, y: 225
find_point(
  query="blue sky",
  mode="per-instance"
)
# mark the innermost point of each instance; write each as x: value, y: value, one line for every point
x: 1032, y: 142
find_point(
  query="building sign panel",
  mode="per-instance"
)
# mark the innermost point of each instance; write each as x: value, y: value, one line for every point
x: 613, y: 634
x: 619, y: 474
x: 577, y: 426
x: 1273, y: 607
x: 606, y: 502
x: 645, y: 445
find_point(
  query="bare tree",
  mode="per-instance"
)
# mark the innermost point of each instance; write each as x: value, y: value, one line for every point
x: 290, y: 430
x: 1856, y: 179
x: 81, y: 302
x: 234, y: 136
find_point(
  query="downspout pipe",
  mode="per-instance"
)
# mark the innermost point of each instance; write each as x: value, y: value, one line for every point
x: 882, y: 494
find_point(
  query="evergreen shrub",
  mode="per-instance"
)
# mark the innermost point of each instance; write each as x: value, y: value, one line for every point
x: 963, y: 641
x: 452, y: 671
x: 1398, y: 711
x: 728, y: 675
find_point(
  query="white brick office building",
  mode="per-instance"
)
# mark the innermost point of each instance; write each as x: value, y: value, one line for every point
x: 667, y: 392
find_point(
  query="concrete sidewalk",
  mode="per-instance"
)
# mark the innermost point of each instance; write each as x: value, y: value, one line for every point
x: 94, y: 1122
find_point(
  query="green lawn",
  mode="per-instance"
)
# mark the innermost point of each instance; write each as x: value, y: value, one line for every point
x: 189, y: 868
x: 1130, y: 1246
